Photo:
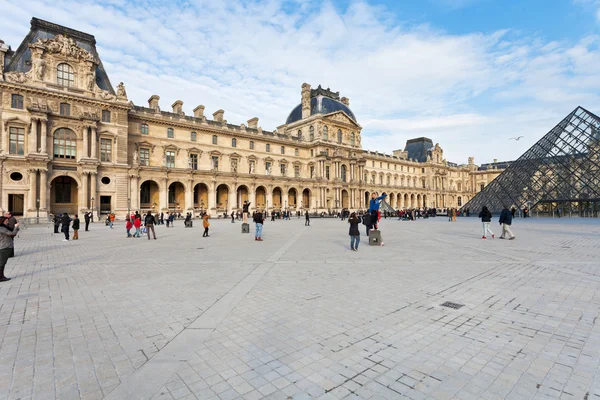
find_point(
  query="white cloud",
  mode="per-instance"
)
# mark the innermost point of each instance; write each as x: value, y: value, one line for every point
x: 468, y: 92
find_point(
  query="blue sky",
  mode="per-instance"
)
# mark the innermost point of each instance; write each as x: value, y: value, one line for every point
x: 469, y: 74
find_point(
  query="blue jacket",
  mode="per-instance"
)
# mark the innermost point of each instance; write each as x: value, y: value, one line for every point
x: 506, y: 217
x: 374, y: 203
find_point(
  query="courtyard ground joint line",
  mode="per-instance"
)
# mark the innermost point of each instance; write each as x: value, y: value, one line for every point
x: 146, y: 381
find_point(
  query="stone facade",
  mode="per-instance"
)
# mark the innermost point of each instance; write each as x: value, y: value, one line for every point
x: 71, y: 143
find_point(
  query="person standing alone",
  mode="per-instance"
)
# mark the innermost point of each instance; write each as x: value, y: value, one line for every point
x: 76, y: 224
x: 205, y: 224
x: 86, y: 218
x: 149, y: 222
x: 307, y: 221
x: 486, y: 220
x: 6, y: 244
x: 258, y: 220
x: 354, y: 220
x: 506, y: 220
x: 65, y: 221
x: 245, y: 209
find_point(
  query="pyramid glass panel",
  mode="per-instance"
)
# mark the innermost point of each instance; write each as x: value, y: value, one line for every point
x: 557, y: 175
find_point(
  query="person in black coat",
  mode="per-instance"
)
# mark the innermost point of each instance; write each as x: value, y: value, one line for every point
x: 486, y: 219
x: 506, y: 221
x: 65, y: 221
x: 366, y: 220
x: 87, y: 218
x: 354, y: 233
x: 307, y: 219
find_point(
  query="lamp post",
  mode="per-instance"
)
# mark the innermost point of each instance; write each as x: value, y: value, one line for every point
x: 201, y: 207
x: 37, y: 207
x: 93, y: 209
x: 128, y: 206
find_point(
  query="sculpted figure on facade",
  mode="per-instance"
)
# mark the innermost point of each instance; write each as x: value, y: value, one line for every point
x: 135, y: 157
x: 121, y: 90
x: 38, y: 68
x: 90, y: 79
x: 251, y: 168
x: 65, y: 46
x: 16, y: 77
x: 234, y: 165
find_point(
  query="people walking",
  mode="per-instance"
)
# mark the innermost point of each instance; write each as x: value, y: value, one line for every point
x: 11, y: 221
x: 168, y: 219
x: 128, y: 226
x: 6, y: 244
x: 111, y: 219
x: 233, y: 217
x: 454, y: 214
x: 307, y: 219
x: 205, y: 224
x: 486, y: 219
x: 65, y: 222
x: 272, y: 215
x: 76, y: 224
x: 56, y: 221
x: 149, y: 223
x: 259, y: 221
x: 354, y: 233
x: 506, y: 221
x: 86, y: 218
x: 137, y: 224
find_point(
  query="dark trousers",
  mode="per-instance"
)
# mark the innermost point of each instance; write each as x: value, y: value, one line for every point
x: 150, y: 227
x: 307, y: 223
x: 87, y: 225
x: 205, y: 234
x: 56, y: 228
x: 374, y: 218
x: 66, y: 232
x: 4, y: 256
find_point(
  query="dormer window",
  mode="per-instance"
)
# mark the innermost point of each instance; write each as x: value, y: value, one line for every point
x: 65, y: 76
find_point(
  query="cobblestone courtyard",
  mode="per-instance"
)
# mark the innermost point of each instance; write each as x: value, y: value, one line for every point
x: 300, y: 316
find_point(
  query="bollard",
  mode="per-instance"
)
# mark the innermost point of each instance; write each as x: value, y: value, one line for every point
x: 245, y: 228
x: 374, y: 238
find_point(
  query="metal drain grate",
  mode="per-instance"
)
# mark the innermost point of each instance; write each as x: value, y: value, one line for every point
x: 452, y: 305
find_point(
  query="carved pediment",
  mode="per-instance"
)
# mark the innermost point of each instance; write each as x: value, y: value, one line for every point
x: 65, y: 46
x: 194, y: 150
x: 171, y: 147
x: 253, y: 158
x: 235, y: 155
x: 340, y: 116
x: 145, y: 144
x: 14, y: 121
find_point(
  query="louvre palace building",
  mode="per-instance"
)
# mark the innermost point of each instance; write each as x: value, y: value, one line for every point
x: 71, y: 142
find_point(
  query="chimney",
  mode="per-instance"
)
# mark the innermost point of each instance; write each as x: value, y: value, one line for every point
x: 3, y: 49
x: 346, y: 101
x: 495, y: 160
x: 305, y: 100
x: 253, y: 123
x: 199, y: 111
x: 153, y: 102
x: 218, y: 115
x: 177, y: 107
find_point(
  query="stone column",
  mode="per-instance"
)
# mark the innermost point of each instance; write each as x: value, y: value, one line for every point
x: 43, y: 135
x: 135, y: 192
x: 32, y: 188
x: 94, y: 144
x: 212, y: 196
x: 232, y: 199
x: 252, y: 200
x: 164, y: 196
x: 93, y: 194
x: 43, y: 189
x: 189, y: 195
x: 32, y: 142
x: 86, y: 147
x: 85, y: 190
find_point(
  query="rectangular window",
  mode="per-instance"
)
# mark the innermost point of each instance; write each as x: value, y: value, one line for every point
x: 252, y: 145
x: 194, y: 161
x: 312, y: 172
x: 395, y: 167
x: 17, y: 141
x: 170, y: 155
x: 193, y: 136
x: 214, y: 139
x: 282, y: 149
x: 268, y: 148
x: 373, y: 164
x: 105, y: 116
x: 282, y: 169
x: 481, y: 187
x: 297, y: 171
x: 145, y: 157
x: 422, y: 170
x: 144, y: 129
x: 170, y: 133
x: 296, y: 152
x: 215, y: 163
x: 105, y: 150
x: 17, y: 101
x: 380, y: 164
x: 268, y: 168
x: 65, y: 109
x: 327, y: 172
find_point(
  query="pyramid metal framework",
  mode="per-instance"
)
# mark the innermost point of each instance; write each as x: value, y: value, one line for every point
x: 560, y: 172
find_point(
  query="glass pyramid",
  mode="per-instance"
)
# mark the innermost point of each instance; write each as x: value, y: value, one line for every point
x: 559, y: 174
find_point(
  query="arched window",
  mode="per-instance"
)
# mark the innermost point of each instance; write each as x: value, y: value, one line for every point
x: 352, y: 139
x: 459, y: 201
x: 233, y: 142
x: 312, y: 133
x: 144, y: 129
x: 325, y: 133
x: 339, y: 136
x: 343, y: 173
x: 299, y: 135
x: 65, y: 144
x: 65, y: 76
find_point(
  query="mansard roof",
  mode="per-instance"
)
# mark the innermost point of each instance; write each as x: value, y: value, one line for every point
x: 20, y: 60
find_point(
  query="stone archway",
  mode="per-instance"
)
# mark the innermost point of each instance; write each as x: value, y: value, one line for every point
x: 392, y: 200
x: 261, y: 198
x: 277, y: 197
x: 241, y: 196
x: 176, y: 196
x: 201, y: 196
x: 64, y: 195
x: 292, y: 201
x: 406, y: 203
x: 418, y: 201
x: 306, y: 198
x: 345, y: 199
x: 222, y: 198
x: 149, y: 195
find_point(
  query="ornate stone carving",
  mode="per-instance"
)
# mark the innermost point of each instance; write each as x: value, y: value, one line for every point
x: 105, y: 95
x: 234, y: 165
x: 90, y: 79
x: 65, y: 46
x: 121, y: 92
x: 39, y: 66
x: 16, y: 77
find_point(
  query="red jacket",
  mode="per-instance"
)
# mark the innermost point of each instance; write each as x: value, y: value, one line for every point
x: 128, y: 225
x: 137, y: 222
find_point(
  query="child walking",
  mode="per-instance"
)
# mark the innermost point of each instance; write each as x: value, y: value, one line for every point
x: 205, y: 224
x: 354, y: 220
